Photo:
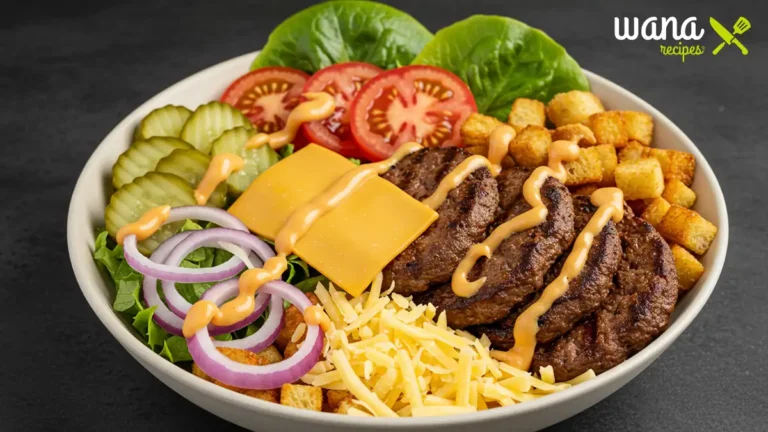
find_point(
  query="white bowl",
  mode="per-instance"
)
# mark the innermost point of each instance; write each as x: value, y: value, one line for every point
x: 86, y: 212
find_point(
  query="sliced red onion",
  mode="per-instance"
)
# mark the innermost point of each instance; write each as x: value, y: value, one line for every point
x: 210, y: 237
x: 230, y: 372
x: 223, y: 291
x: 163, y: 316
x: 268, y: 332
x: 175, y: 273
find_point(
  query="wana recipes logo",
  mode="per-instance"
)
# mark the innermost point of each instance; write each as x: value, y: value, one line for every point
x: 665, y: 28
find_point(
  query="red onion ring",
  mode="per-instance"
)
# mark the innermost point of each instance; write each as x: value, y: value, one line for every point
x: 265, y: 335
x: 207, y: 238
x: 230, y: 372
x: 147, y: 267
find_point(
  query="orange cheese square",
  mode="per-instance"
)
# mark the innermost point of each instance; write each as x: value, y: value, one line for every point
x: 352, y: 242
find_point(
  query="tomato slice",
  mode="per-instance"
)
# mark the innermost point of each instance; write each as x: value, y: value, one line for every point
x: 425, y: 104
x: 342, y: 80
x: 267, y: 95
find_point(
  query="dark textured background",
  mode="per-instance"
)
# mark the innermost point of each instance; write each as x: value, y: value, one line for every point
x: 70, y: 72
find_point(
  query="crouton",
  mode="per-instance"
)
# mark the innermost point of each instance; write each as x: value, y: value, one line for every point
x: 654, y: 212
x: 585, y: 190
x: 633, y: 151
x: 336, y: 397
x: 573, y: 107
x: 688, y: 229
x: 689, y: 269
x: 476, y: 131
x: 302, y: 396
x: 676, y: 192
x: 526, y: 112
x: 609, y: 128
x: 579, y: 133
x: 675, y: 164
x: 245, y: 357
x: 639, y: 126
x: 293, y: 317
x: 344, y: 406
x: 586, y: 169
x: 608, y: 162
x: 530, y: 146
x: 270, y: 354
x: 640, y: 179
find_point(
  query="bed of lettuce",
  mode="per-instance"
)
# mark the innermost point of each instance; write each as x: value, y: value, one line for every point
x: 128, y: 282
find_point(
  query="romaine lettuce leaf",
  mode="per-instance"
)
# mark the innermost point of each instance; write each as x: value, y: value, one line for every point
x: 343, y: 31
x: 502, y: 59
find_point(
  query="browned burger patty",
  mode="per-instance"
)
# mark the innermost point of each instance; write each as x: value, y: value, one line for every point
x: 585, y: 293
x: 517, y: 268
x: 634, y: 313
x: 464, y: 216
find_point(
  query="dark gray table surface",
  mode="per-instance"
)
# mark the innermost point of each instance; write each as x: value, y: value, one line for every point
x: 70, y: 72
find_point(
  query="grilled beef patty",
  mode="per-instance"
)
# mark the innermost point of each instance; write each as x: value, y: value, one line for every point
x: 634, y: 313
x: 517, y: 268
x: 464, y: 216
x: 585, y: 293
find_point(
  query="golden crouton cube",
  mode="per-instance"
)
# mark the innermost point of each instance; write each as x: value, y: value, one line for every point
x: 579, y: 133
x: 689, y: 269
x: 608, y: 161
x: 530, y: 146
x: 270, y: 354
x: 654, y: 212
x: 688, y: 229
x: 572, y: 107
x: 246, y: 357
x: 476, y: 131
x: 293, y: 317
x: 609, y: 128
x: 639, y: 126
x: 336, y: 397
x: 586, y: 169
x: 302, y: 396
x: 585, y: 190
x: 526, y: 112
x: 344, y: 406
x: 676, y: 192
x: 640, y: 179
x: 674, y: 164
x: 633, y: 151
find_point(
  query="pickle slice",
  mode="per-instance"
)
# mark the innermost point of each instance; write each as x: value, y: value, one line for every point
x: 256, y: 160
x: 144, y: 193
x: 166, y: 121
x: 191, y: 165
x: 142, y: 157
x: 209, y: 121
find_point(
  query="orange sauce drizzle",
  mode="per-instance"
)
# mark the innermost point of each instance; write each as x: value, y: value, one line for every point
x: 559, y: 152
x: 318, y: 106
x: 219, y: 170
x: 610, y: 203
x: 146, y: 225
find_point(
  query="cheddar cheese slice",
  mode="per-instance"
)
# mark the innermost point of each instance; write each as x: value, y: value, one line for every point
x: 352, y: 242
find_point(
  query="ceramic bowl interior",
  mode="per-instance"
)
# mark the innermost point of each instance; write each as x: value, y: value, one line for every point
x: 86, y: 214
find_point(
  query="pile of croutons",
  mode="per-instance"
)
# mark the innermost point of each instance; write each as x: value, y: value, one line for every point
x: 615, y: 151
x: 296, y: 395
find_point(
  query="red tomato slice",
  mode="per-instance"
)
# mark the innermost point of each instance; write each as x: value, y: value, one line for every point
x: 267, y: 95
x: 425, y: 104
x: 342, y: 80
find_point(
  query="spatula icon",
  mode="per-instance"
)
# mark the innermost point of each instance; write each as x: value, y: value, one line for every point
x: 741, y: 26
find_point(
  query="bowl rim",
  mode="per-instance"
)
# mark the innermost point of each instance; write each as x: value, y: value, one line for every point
x: 88, y: 284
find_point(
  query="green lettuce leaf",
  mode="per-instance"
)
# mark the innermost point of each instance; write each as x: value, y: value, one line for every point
x: 175, y: 350
x: 343, y: 31
x: 502, y: 59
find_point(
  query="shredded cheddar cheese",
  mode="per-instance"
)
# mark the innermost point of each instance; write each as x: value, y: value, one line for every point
x: 398, y: 358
